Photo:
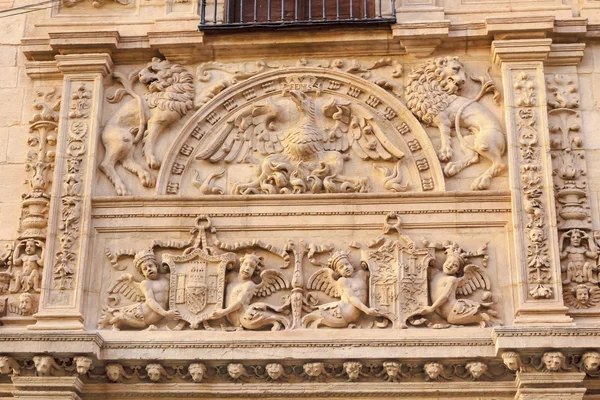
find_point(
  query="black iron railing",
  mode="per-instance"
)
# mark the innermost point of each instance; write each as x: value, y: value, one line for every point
x: 256, y: 13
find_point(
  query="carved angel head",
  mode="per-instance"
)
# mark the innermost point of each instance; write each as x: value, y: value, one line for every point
x: 155, y: 371
x: 45, y: 365
x: 8, y: 365
x: 340, y: 263
x: 115, y: 372
x: 476, y: 369
x: 236, y: 370
x: 250, y: 264
x: 553, y: 361
x: 590, y: 361
x: 512, y: 360
x: 582, y: 293
x: 392, y: 370
x: 197, y: 371
x: 275, y: 371
x: 313, y: 369
x: 83, y: 364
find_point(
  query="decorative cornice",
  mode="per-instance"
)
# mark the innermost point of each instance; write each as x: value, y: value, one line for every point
x: 85, y: 63
x: 520, y: 50
x: 565, y: 54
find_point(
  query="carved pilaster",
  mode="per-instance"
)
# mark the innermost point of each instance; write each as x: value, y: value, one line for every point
x: 534, y: 219
x: 74, y: 175
x: 550, y: 386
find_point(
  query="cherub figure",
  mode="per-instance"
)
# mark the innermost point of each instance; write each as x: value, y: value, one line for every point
x: 29, y: 276
x: 581, y: 296
x: 579, y: 249
x: 445, y: 286
x: 150, y: 297
x: 340, y: 279
x: 243, y: 314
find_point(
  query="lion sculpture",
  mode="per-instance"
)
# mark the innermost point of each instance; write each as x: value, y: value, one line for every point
x: 170, y: 96
x: 432, y: 96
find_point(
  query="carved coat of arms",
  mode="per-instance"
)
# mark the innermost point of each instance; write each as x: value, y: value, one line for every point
x: 197, y: 283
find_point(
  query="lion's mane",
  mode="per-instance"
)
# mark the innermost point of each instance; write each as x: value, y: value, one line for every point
x: 426, y: 92
x: 177, y: 87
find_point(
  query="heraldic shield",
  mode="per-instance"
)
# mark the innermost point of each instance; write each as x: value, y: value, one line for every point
x: 398, y: 281
x: 197, y: 283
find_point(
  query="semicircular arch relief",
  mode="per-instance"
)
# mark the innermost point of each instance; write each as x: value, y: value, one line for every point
x: 301, y: 130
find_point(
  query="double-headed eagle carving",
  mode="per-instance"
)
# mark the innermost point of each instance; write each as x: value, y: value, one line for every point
x: 303, y: 153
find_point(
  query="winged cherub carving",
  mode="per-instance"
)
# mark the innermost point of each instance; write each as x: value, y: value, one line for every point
x: 150, y: 297
x: 302, y: 156
x: 340, y: 279
x: 447, y: 284
x: 240, y: 310
x: 581, y: 296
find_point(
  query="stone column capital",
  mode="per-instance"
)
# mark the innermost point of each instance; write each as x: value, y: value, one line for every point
x: 520, y: 50
x: 85, y: 63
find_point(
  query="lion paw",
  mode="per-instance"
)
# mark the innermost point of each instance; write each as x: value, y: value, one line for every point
x: 152, y: 161
x: 147, y: 179
x: 445, y: 153
x: 121, y: 189
x: 481, y: 183
x: 452, y: 168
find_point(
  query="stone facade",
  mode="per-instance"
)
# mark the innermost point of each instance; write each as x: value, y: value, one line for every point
x: 406, y: 207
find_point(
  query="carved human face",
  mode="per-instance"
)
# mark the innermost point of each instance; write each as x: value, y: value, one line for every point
x: 274, y: 370
x: 313, y: 369
x: 30, y: 247
x: 352, y: 368
x: 154, y: 372
x: 149, y: 269
x: 553, y: 361
x: 476, y: 369
x: 114, y: 372
x: 197, y: 371
x: 582, y: 294
x: 248, y: 266
x: 576, y: 238
x: 433, y: 370
x: 451, y: 265
x: 73, y: 164
x: 536, y: 235
x: 392, y: 368
x: 83, y: 364
x: 26, y: 303
x: 591, y: 361
x: 344, y: 267
x: 236, y: 370
x: 43, y: 365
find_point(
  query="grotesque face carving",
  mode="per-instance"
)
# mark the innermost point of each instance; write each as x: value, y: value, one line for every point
x: 197, y: 371
x: 512, y: 360
x: 553, y: 361
x: 154, y: 372
x: 433, y: 370
x: 114, y: 372
x: 476, y: 369
x: 236, y: 370
x: 44, y: 364
x: 313, y: 369
x: 83, y: 364
x: 353, y: 369
x: 591, y: 361
x: 8, y: 365
x: 274, y: 370
x: 392, y: 369
x: 26, y: 304
x: 536, y: 235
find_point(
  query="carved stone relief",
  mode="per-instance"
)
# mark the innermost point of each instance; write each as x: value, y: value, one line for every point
x: 212, y: 284
x: 22, y: 263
